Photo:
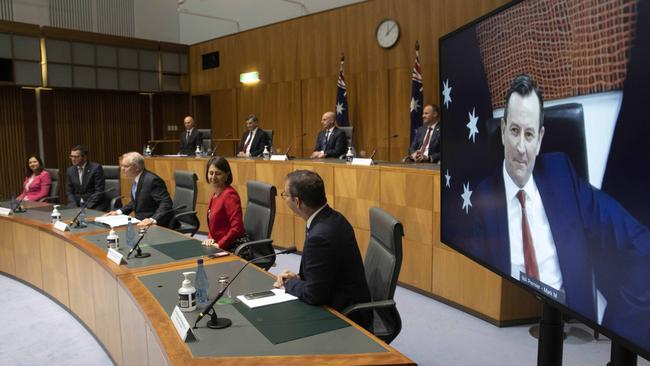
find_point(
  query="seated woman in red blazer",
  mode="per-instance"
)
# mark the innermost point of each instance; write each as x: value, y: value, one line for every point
x: 225, y: 224
x: 38, y: 181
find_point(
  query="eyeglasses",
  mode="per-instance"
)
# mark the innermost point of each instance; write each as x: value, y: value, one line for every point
x: 285, y: 195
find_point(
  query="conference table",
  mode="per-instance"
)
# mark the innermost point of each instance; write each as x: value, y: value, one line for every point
x: 127, y: 307
x: 410, y: 192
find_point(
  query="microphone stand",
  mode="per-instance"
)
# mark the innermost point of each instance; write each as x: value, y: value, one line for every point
x: 18, y: 208
x: 219, y: 323
x: 75, y: 221
x: 139, y: 253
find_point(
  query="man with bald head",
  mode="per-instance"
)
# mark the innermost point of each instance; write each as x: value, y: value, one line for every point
x: 331, y: 141
x: 190, y: 138
x: 149, y: 197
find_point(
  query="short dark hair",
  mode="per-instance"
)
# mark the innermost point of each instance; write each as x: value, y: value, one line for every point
x: 524, y: 85
x: 308, y: 186
x: 220, y: 163
x: 40, y: 162
x: 252, y: 117
x: 82, y: 149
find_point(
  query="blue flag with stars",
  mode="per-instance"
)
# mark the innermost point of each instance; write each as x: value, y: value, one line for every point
x: 417, y: 96
x: 341, y: 99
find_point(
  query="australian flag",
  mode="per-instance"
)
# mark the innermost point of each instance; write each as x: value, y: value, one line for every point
x: 417, y: 96
x: 341, y: 99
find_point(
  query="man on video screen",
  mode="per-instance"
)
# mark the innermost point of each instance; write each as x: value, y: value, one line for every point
x: 542, y: 224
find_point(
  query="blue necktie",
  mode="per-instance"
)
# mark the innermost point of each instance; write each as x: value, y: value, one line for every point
x: 134, y: 188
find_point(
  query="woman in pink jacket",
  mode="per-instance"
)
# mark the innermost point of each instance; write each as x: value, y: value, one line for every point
x: 38, y: 180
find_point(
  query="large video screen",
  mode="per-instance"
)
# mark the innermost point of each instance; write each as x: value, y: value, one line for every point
x: 546, y: 155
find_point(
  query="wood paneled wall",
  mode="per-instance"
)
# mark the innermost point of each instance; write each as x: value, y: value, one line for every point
x: 298, y: 65
x: 17, y: 137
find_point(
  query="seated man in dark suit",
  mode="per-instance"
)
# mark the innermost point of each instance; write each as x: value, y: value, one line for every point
x: 331, y: 269
x: 254, y: 139
x: 84, y: 181
x: 190, y: 138
x: 425, y: 147
x: 149, y: 197
x: 539, y: 222
x: 331, y: 141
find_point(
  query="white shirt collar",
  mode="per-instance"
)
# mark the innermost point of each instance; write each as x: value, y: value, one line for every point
x: 512, y: 188
x: 311, y: 218
x: 137, y: 178
x: 330, y: 129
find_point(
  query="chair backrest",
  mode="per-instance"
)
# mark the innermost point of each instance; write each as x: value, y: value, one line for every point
x: 270, y: 133
x: 112, y: 180
x: 382, y: 265
x: 349, y: 132
x: 54, y: 188
x: 260, y: 211
x: 206, y: 138
x: 186, y: 190
x: 564, y: 128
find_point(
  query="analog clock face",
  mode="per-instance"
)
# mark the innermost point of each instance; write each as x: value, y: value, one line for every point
x: 387, y: 33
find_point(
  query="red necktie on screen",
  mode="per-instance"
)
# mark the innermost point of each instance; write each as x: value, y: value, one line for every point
x: 530, y: 261
x: 248, y: 141
x: 426, y: 139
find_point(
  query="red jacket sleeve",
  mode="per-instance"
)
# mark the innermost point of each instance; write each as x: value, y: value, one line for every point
x: 232, y: 206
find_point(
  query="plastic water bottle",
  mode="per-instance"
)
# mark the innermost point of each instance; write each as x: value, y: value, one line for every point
x: 266, y: 155
x: 201, y: 285
x: 113, y: 240
x: 147, y: 151
x: 197, y: 152
x: 56, y: 215
x: 349, y: 155
x: 130, y: 234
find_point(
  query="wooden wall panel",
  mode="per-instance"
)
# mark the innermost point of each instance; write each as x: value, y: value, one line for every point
x: 55, y: 271
x: 308, y: 49
x: 7, y: 259
x: 224, y: 119
x: 14, y: 138
x: 27, y: 253
x: 168, y: 110
x: 80, y: 285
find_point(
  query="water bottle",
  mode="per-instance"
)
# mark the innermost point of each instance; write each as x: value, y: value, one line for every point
x: 56, y: 215
x: 113, y: 240
x: 349, y: 155
x: 130, y: 234
x: 197, y: 152
x: 266, y: 155
x: 147, y: 151
x: 201, y: 285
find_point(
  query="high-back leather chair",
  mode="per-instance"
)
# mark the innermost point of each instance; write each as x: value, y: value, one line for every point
x: 206, y: 138
x: 185, y: 221
x: 258, y: 222
x: 53, y: 195
x: 112, y: 200
x: 382, y: 265
x: 349, y: 133
x: 270, y: 133
x: 564, y: 131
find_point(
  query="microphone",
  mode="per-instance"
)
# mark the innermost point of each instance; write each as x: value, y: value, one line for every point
x: 288, y: 149
x: 374, y: 151
x: 75, y: 221
x: 143, y: 231
x: 17, y: 207
x: 220, y: 323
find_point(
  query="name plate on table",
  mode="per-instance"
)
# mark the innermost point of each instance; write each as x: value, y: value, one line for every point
x: 115, y: 256
x: 279, y: 157
x: 61, y: 226
x: 181, y: 325
x: 362, y: 161
x: 5, y: 211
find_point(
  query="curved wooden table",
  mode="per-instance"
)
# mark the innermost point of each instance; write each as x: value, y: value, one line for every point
x: 116, y: 307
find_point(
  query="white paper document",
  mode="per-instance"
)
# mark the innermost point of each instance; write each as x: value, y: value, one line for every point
x: 280, y: 296
x: 115, y: 221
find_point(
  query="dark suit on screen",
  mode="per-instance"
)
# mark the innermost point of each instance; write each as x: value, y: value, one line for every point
x: 188, y: 146
x: 93, y: 182
x: 593, y: 235
x: 331, y: 269
x: 335, y: 146
x: 152, y: 199
x: 434, y: 144
x: 260, y: 140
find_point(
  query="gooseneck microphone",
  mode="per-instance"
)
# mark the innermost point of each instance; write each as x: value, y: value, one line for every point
x: 373, y: 154
x: 75, y: 221
x: 218, y: 323
x: 17, y: 208
x: 143, y: 232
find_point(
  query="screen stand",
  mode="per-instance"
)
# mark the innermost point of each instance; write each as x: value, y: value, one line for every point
x: 551, y: 337
x: 621, y: 356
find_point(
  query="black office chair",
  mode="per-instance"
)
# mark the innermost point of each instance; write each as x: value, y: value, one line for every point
x: 349, y: 132
x: 270, y: 133
x: 53, y: 195
x: 185, y: 221
x: 382, y: 265
x: 258, y: 222
x: 206, y: 138
x: 564, y: 127
x: 113, y: 199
